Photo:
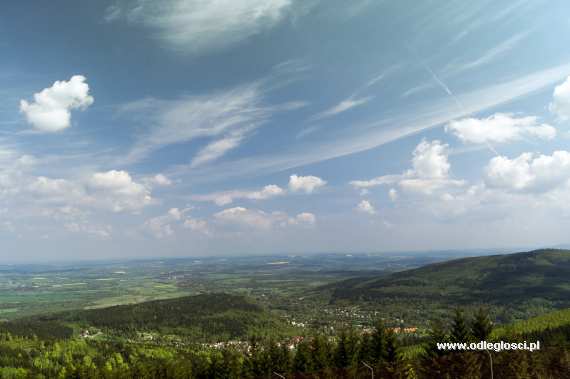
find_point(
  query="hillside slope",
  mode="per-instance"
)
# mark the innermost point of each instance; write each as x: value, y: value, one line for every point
x: 499, y: 279
x: 207, y: 315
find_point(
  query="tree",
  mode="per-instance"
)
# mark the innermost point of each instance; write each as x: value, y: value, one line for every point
x: 341, y: 355
x: 302, y: 359
x: 464, y: 364
x: 434, y: 361
x: 460, y: 331
x: 378, y: 343
x: 320, y: 353
x: 482, y: 326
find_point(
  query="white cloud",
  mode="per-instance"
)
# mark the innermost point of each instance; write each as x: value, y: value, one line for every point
x: 307, y: 184
x: 260, y: 220
x: 529, y: 172
x: 560, y: 104
x: 366, y: 207
x: 362, y: 137
x: 161, y: 180
x: 196, y: 225
x: 112, y: 190
x: 228, y: 197
x: 197, y: 26
x: 118, y: 191
x: 429, y: 173
x: 246, y: 217
x: 430, y: 161
x: 99, y: 231
x: 488, y: 56
x: 51, y: 109
x: 55, y: 187
x: 217, y: 149
x: 161, y: 226
x: 304, y: 218
x: 342, y: 107
x: 229, y: 114
x: 375, y: 182
x: 165, y: 225
x: 500, y: 127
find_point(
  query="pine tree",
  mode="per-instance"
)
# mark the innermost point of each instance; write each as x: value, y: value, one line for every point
x: 434, y: 362
x: 482, y: 326
x: 302, y: 359
x: 341, y: 354
x: 365, y: 349
x: 464, y: 364
x: 378, y: 343
x: 392, y: 362
x: 460, y: 331
x: 320, y: 353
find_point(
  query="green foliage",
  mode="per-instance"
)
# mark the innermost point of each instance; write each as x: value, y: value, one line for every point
x: 482, y: 326
x: 460, y: 331
x: 518, y: 282
x: 317, y: 356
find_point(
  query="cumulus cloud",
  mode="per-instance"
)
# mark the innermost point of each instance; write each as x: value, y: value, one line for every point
x: 529, y: 172
x: 429, y: 172
x: 307, y: 184
x: 161, y: 226
x: 258, y: 219
x: 165, y: 225
x: 196, y: 26
x: 499, y: 128
x: 366, y: 207
x: 51, y: 109
x: 160, y: 180
x: 430, y: 161
x: 118, y: 191
x: 560, y: 104
x: 228, y: 197
x: 112, y: 190
x: 304, y: 218
x: 197, y: 225
x: 246, y: 217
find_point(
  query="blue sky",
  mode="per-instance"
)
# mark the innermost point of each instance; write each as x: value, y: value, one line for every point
x: 181, y: 127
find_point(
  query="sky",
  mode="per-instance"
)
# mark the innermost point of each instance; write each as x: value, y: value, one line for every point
x: 136, y: 128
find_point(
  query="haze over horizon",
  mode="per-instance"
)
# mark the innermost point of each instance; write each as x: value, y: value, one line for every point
x: 143, y: 129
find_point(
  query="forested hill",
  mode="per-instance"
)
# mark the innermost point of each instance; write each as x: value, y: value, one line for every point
x: 212, y: 316
x: 498, y: 279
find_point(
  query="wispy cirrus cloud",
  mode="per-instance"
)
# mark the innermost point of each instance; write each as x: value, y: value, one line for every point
x: 196, y: 27
x: 367, y: 136
x: 356, y: 99
x: 343, y: 106
x: 225, y: 115
x: 488, y: 56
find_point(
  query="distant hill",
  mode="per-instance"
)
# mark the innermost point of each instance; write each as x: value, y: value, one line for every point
x: 201, y: 316
x: 515, y: 279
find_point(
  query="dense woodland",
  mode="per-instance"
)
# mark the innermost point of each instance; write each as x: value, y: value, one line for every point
x: 314, y: 356
x: 516, y: 285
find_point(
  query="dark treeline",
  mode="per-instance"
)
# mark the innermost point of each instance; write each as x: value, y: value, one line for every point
x: 349, y: 354
x: 199, y: 318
